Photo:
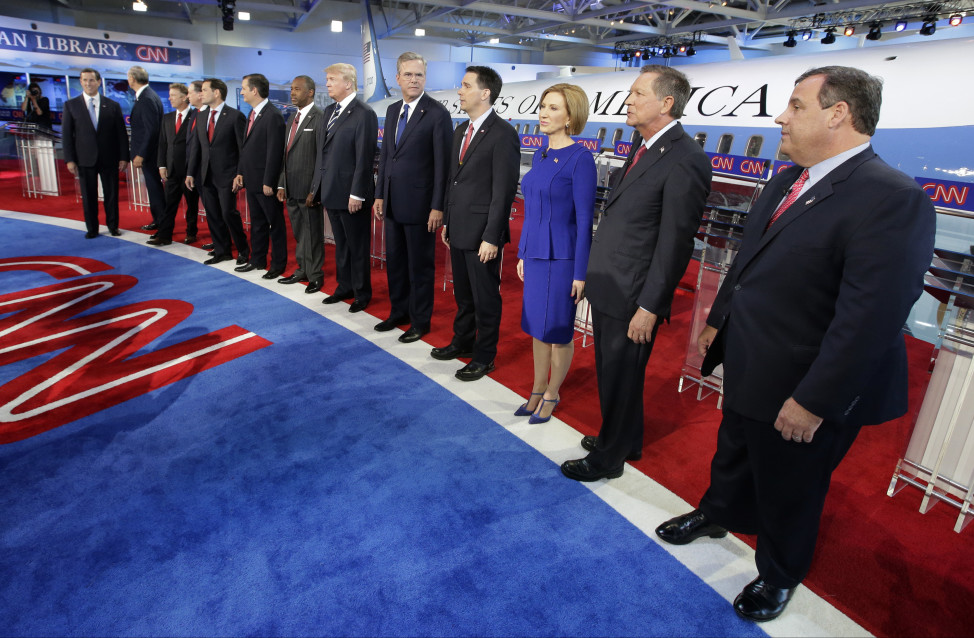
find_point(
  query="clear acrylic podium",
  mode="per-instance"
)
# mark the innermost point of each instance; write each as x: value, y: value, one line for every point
x: 36, y: 154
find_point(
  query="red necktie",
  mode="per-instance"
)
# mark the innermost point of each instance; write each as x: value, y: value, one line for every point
x: 179, y: 121
x: 639, y: 153
x: 294, y: 131
x: 790, y: 199
x: 250, y: 122
x: 209, y: 127
x: 466, y: 141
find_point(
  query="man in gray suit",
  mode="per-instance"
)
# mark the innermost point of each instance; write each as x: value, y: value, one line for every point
x: 301, y: 145
x: 639, y: 253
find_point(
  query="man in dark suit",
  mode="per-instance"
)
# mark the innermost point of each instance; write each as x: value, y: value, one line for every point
x: 145, y: 122
x: 215, y: 158
x: 260, y: 169
x: 639, y: 253
x: 413, y: 164
x: 345, y: 184
x: 95, y: 147
x: 480, y: 190
x: 196, y: 101
x: 176, y: 129
x: 305, y: 133
x: 808, y: 323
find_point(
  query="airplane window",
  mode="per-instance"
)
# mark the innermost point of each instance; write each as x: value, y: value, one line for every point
x: 781, y: 156
x: 701, y: 139
x: 754, y: 144
x: 724, y: 143
x: 601, y: 135
x: 616, y: 137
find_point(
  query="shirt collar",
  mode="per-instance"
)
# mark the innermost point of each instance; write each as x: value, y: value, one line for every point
x: 476, y: 124
x: 823, y: 168
x: 138, y: 92
x: 185, y: 110
x: 659, y: 134
x: 303, y: 112
x: 96, y: 96
x: 348, y: 100
x: 260, y: 107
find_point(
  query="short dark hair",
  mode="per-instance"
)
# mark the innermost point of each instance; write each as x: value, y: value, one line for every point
x: 197, y: 85
x: 861, y: 91
x: 90, y: 70
x: 217, y: 84
x: 259, y: 82
x: 487, y: 78
x: 33, y: 85
x: 308, y: 82
x: 670, y: 83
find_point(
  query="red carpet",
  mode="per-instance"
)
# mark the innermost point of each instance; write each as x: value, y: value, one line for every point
x: 891, y: 569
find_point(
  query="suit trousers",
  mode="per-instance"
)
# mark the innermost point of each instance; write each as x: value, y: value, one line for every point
x: 176, y: 190
x: 477, y: 290
x: 88, y: 177
x: 762, y: 484
x: 155, y: 190
x: 620, y: 368
x: 411, y: 268
x: 267, y: 226
x: 352, y: 243
x: 308, y: 225
x: 223, y: 218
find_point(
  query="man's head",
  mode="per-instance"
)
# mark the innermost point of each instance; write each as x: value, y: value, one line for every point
x: 479, y: 89
x: 831, y: 110
x: 657, y: 97
x: 411, y: 75
x: 196, y: 93
x: 137, y: 77
x: 90, y: 82
x: 255, y: 88
x: 214, y: 92
x: 302, y: 91
x: 178, y: 96
x: 341, y: 81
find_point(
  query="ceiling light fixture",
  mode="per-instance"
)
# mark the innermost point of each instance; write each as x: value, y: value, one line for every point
x: 138, y: 5
x: 336, y: 26
x: 829, y: 37
x: 875, y: 31
x: 791, y: 41
x: 956, y: 19
x: 849, y: 30
x: 419, y: 33
x: 900, y: 26
x: 243, y: 15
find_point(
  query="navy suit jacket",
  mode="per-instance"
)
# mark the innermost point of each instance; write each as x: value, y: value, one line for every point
x: 346, y: 158
x: 814, y: 308
x: 412, y: 174
x: 262, y: 154
x: 146, y: 120
x: 220, y: 158
x: 173, y: 150
x: 86, y: 147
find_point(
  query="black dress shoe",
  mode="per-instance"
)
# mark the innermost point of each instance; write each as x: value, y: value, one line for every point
x: 190, y: 239
x: 388, y: 324
x: 313, y: 287
x: 293, y: 279
x: 449, y: 352
x: 154, y: 236
x: 473, y: 371
x: 358, y: 306
x: 272, y: 274
x: 590, y: 442
x: 761, y: 601
x: 150, y: 227
x: 114, y: 232
x: 582, y: 470
x: 412, y: 335
x: 90, y: 235
x: 245, y: 268
x: 688, y: 528
x: 330, y: 299
x: 217, y: 259
x: 210, y: 246
x: 155, y: 241
x: 242, y: 259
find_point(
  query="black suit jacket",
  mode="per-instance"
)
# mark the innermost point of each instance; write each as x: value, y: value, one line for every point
x: 145, y: 120
x: 481, y: 189
x: 346, y: 158
x: 413, y: 174
x: 298, y: 174
x: 814, y: 308
x: 645, y: 237
x: 172, y: 154
x: 220, y: 158
x: 86, y: 147
x: 262, y: 153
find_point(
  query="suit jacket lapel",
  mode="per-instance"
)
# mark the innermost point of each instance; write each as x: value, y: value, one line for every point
x: 475, y: 140
x: 652, y: 155
x: 412, y: 122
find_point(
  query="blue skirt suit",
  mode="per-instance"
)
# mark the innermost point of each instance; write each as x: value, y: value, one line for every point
x: 559, y: 200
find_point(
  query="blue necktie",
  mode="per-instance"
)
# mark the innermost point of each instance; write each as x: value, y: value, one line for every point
x: 92, y: 113
x: 402, y: 122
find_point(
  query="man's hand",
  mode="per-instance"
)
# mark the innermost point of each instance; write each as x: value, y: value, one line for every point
x: 163, y: 173
x: 705, y: 338
x: 354, y: 205
x: 268, y: 190
x: 796, y: 423
x: 578, y: 290
x: 487, y: 252
x: 435, y: 220
x: 520, y: 269
x: 280, y: 194
x: 237, y: 183
x: 377, y: 209
x: 73, y: 168
x: 137, y: 161
x: 190, y: 182
x: 122, y: 166
x: 444, y: 238
x: 641, y: 326
x: 309, y: 200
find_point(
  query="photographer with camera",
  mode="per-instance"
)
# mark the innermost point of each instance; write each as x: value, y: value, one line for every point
x: 36, y: 107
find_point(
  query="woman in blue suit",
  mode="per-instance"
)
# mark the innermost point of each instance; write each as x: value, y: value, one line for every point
x: 559, y: 198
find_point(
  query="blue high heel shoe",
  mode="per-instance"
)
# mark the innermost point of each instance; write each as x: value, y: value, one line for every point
x: 523, y: 410
x: 537, y: 419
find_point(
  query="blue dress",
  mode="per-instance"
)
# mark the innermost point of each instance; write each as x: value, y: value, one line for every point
x: 559, y: 200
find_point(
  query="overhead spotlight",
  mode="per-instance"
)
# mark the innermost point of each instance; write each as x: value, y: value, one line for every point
x: 495, y: 40
x: 625, y: 57
x: 683, y: 48
x: 228, y: 8
x: 829, y: 37
x: 900, y: 26
x: 807, y: 34
x: 138, y: 5
x: 419, y: 33
x: 667, y: 53
x: 243, y: 15
x: 791, y: 41
x: 646, y: 53
x: 637, y: 54
x: 691, y: 51
x: 875, y: 31
x: 336, y: 26
x: 929, y: 25
x: 955, y: 20
x: 850, y: 30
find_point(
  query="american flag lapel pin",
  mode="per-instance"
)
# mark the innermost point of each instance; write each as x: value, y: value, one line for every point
x: 662, y: 149
x: 809, y: 201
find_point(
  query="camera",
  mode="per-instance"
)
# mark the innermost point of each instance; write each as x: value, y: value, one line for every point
x: 35, y: 91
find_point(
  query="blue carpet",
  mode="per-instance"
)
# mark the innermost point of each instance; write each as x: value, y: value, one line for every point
x: 315, y: 486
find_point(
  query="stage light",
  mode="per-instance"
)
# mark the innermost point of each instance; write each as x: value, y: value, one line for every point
x: 495, y: 40
x: 850, y: 30
x: 228, y: 8
x: 929, y: 25
x: 243, y: 15
x: 875, y: 31
x: 829, y: 37
x: 419, y: 33
x: 691, y: 51
x: 646, y: 53
x: 956, y: 19
x: 807, y: 34
x: 791, y: 42
x: 138, y: 5
x: 638, y: 54
x: 336, y: 26
x: 625, y: 57
x: 683, y: 48
x: 900, y: 26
